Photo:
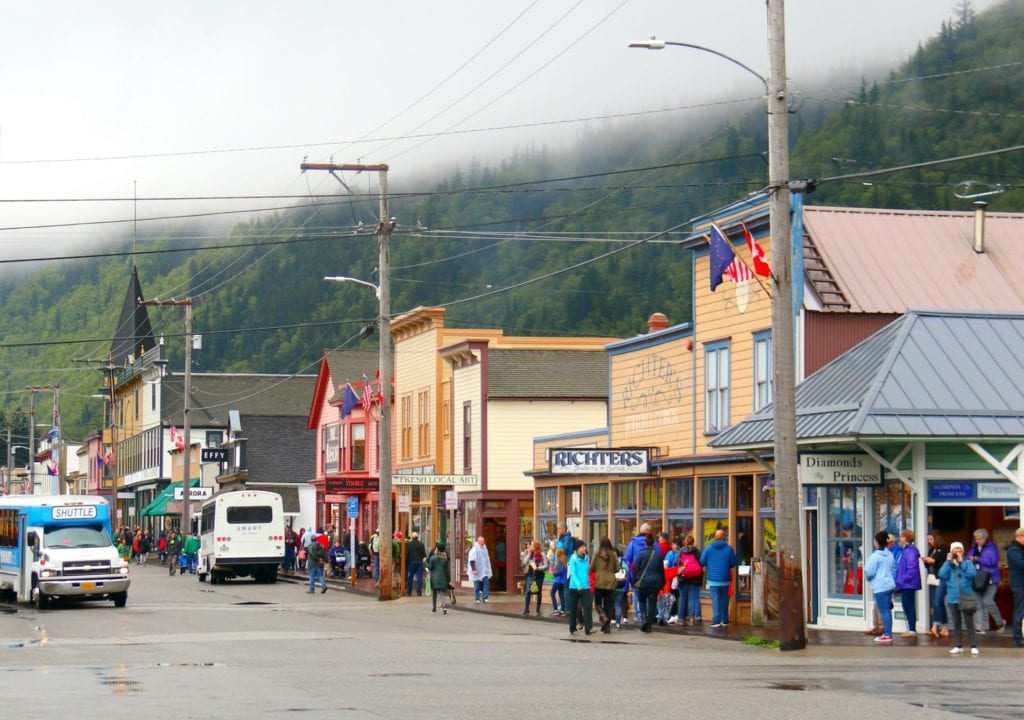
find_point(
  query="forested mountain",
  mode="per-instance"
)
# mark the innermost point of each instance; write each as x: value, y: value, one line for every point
x: 263, y: 306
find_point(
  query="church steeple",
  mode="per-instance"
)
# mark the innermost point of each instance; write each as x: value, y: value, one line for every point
x: 133, y: 335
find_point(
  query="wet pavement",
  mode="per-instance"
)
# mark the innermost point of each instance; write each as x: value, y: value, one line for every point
x: 506, y: 605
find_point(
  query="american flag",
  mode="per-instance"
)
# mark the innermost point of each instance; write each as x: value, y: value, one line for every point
x: 367, y: 400
x: 738, y: 271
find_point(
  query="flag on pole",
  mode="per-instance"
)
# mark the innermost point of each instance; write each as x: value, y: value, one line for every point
x: 722, y: 256
x: 349, y: 400
x: 761, y: 266
x: 367, y: 400
x: 177, y: 440
x: 738, y: 271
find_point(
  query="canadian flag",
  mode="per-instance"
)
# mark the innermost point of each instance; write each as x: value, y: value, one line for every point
x: 176, y: 439
x: 760, y: 262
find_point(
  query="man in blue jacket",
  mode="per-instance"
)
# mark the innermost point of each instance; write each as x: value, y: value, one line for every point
x: 718, y: 560
x: 1015, y: 563
x: 637, y: 544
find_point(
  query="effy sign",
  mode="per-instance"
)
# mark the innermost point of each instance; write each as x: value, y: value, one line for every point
x: 594, y: 461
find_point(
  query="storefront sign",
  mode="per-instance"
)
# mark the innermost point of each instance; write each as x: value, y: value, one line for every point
x: 462, y: 480
x: 219, y: 455
x: 451, y: 500
x: 973, y: 492
x: 839, y: 469
x: 344, y: 486
x: 404, y: 503
x: 196, y: 493
x: 594, y: 461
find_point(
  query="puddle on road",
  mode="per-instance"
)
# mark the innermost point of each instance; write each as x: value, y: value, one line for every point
x: 791, y: 686
x: 400, y: 674
x: 121, y: 686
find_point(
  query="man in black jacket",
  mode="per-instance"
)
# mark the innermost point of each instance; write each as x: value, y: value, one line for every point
x: 1015, y: 562
x: 415, y: 554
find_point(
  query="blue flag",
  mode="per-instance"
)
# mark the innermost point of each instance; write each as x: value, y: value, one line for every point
x: 722, y: 256
x: 349, y: 400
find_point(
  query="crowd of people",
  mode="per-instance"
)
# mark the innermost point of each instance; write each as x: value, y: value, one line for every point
x: 177, y: 552
x: 961, y: 583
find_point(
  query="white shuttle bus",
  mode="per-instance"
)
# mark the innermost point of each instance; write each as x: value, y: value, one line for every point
x: 59, y: 546
x: 241, y: 534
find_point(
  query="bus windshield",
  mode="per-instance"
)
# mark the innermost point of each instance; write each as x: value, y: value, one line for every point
x: 86, y: 536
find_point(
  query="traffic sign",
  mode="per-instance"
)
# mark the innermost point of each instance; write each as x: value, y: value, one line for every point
x: 353, y: 506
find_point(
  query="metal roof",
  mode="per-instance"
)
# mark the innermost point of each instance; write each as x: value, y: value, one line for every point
x: 213, y: 394
x: 929, y: 374
x: 885, y: 261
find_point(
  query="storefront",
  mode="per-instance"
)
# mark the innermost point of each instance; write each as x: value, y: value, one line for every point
x: 911, y: 441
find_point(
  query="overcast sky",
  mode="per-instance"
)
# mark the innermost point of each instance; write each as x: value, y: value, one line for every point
x: 182, y: 83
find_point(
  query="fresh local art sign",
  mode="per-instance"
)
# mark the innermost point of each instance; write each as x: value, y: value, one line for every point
x: 593, y: 461
x: 839, y: 469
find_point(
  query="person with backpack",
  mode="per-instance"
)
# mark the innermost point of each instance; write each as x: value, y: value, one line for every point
x: 173, y: 548
x: 604, y: 565
x: 690, y: 574
x: 535, y: 565
x: 439, y: 571
x: 316, y: 557
x: 621, y: 587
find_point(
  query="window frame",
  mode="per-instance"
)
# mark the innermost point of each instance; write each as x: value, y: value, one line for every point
x: 716, y: 386
x: 762, y: 386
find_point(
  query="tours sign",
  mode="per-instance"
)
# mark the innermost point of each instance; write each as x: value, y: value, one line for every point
x: 839, y: 469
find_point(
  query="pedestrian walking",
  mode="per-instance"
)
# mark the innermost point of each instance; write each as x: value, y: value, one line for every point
x: 559, y: 569
x: 879, y: 571
x: 718, y: 560
x: 580, y: 598
x: 291, y: 539
x: 963, y: 602
x: 604, y: 565
x: 315, y: 559
x: 649, y: 575
x: 439, y: 569
x: 1015, y: 564
x: 480, y: 572
x: 691, y: 573
x: 173, y: 551
x: 908, y: 580
x: 415, y: 555
x: 985, y: 556
x: 535, y: 567
x: 191, y: 550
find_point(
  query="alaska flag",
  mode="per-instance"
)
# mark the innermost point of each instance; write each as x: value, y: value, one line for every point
x: 721, y: 256
x: 349, y: 400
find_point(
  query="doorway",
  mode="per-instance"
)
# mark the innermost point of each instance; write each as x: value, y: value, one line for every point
x: 495, y: 532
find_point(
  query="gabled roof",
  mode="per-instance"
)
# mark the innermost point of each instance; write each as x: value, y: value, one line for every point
x: 885, y: 261
x: 547, y: 373
x: 213, y: 394
x: 350, y: 366
x: 929, y: 374
x: 133, y: 334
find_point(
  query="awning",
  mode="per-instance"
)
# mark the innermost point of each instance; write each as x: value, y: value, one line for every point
x: 159, y: 505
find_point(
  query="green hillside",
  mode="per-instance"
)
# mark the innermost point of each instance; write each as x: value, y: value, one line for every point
x: 266, y: 308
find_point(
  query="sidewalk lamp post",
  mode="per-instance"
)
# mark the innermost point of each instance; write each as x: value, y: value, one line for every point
x: 791, y: 602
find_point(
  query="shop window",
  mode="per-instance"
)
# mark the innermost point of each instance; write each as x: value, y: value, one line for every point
x: 358, y: 446
x: 762, y: 370
x: 714, y: 493
x: 597, y: 530
x: 469, y: 523
x: 625, y: 495
x: 767, y: 485
x: 716, y: 387
x: 597, y: 499
x: 625, y: 529
x: 893, y: 507
x: 573, y: 500
x: 330, y: 442
x: 467, y: 438
x: 744, y: 493
x: 650, y: 495
x: 547, y: 501
x: 680, y: 526
x: 679, y: 494
x: 845, y: 541
x: 526, y: 522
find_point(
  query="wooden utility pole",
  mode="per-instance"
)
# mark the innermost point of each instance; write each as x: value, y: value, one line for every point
x: 186, y: 408
x: 792, y: 632
x: 385, y: 590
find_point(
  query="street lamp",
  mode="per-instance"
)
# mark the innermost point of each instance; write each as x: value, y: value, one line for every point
x: 345, y: 278
x: 791, y: 602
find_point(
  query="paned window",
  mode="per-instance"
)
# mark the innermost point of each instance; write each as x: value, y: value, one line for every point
x: 716, y: 387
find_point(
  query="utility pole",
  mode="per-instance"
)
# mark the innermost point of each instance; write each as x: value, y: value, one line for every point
x: 792, y: 632
x: 385, y: 591
x: 186, y: 406
x: 32, y: 439
x: 10, y: 463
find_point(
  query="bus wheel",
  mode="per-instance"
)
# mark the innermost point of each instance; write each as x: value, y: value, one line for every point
x: 202, y: 577
x: 120, y: 599
x: 42, y: 600
x: 214, y: 579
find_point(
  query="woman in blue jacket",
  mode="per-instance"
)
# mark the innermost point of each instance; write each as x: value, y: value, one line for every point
x: 960, y: 597
x: 580, y: 598
x: 880, y: 572
x: 908, y: 580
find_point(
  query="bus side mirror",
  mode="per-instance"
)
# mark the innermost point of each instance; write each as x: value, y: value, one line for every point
x: 33, y: 541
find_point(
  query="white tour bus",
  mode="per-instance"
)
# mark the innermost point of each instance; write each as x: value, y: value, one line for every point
x: 241, y: 534
x: 59, y: 546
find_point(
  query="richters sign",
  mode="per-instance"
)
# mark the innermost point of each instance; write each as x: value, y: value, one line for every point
x: 593, y: 461
x: 839, y: 469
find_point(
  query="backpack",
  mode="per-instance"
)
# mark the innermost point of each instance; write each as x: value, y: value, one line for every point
x: 691, y: 566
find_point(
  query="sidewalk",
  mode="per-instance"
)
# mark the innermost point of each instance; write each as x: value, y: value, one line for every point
x: 511, y: 606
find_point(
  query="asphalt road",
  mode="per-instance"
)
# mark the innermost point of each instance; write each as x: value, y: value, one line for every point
x: 182, y: 649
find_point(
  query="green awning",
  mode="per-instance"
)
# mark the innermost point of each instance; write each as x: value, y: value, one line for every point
x: 159, y: 505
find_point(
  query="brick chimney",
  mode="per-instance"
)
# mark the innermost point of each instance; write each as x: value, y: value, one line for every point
x: 657, y: 321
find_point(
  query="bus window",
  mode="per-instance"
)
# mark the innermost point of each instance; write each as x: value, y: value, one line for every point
x: 250, y: 515
x: 76, y: 537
